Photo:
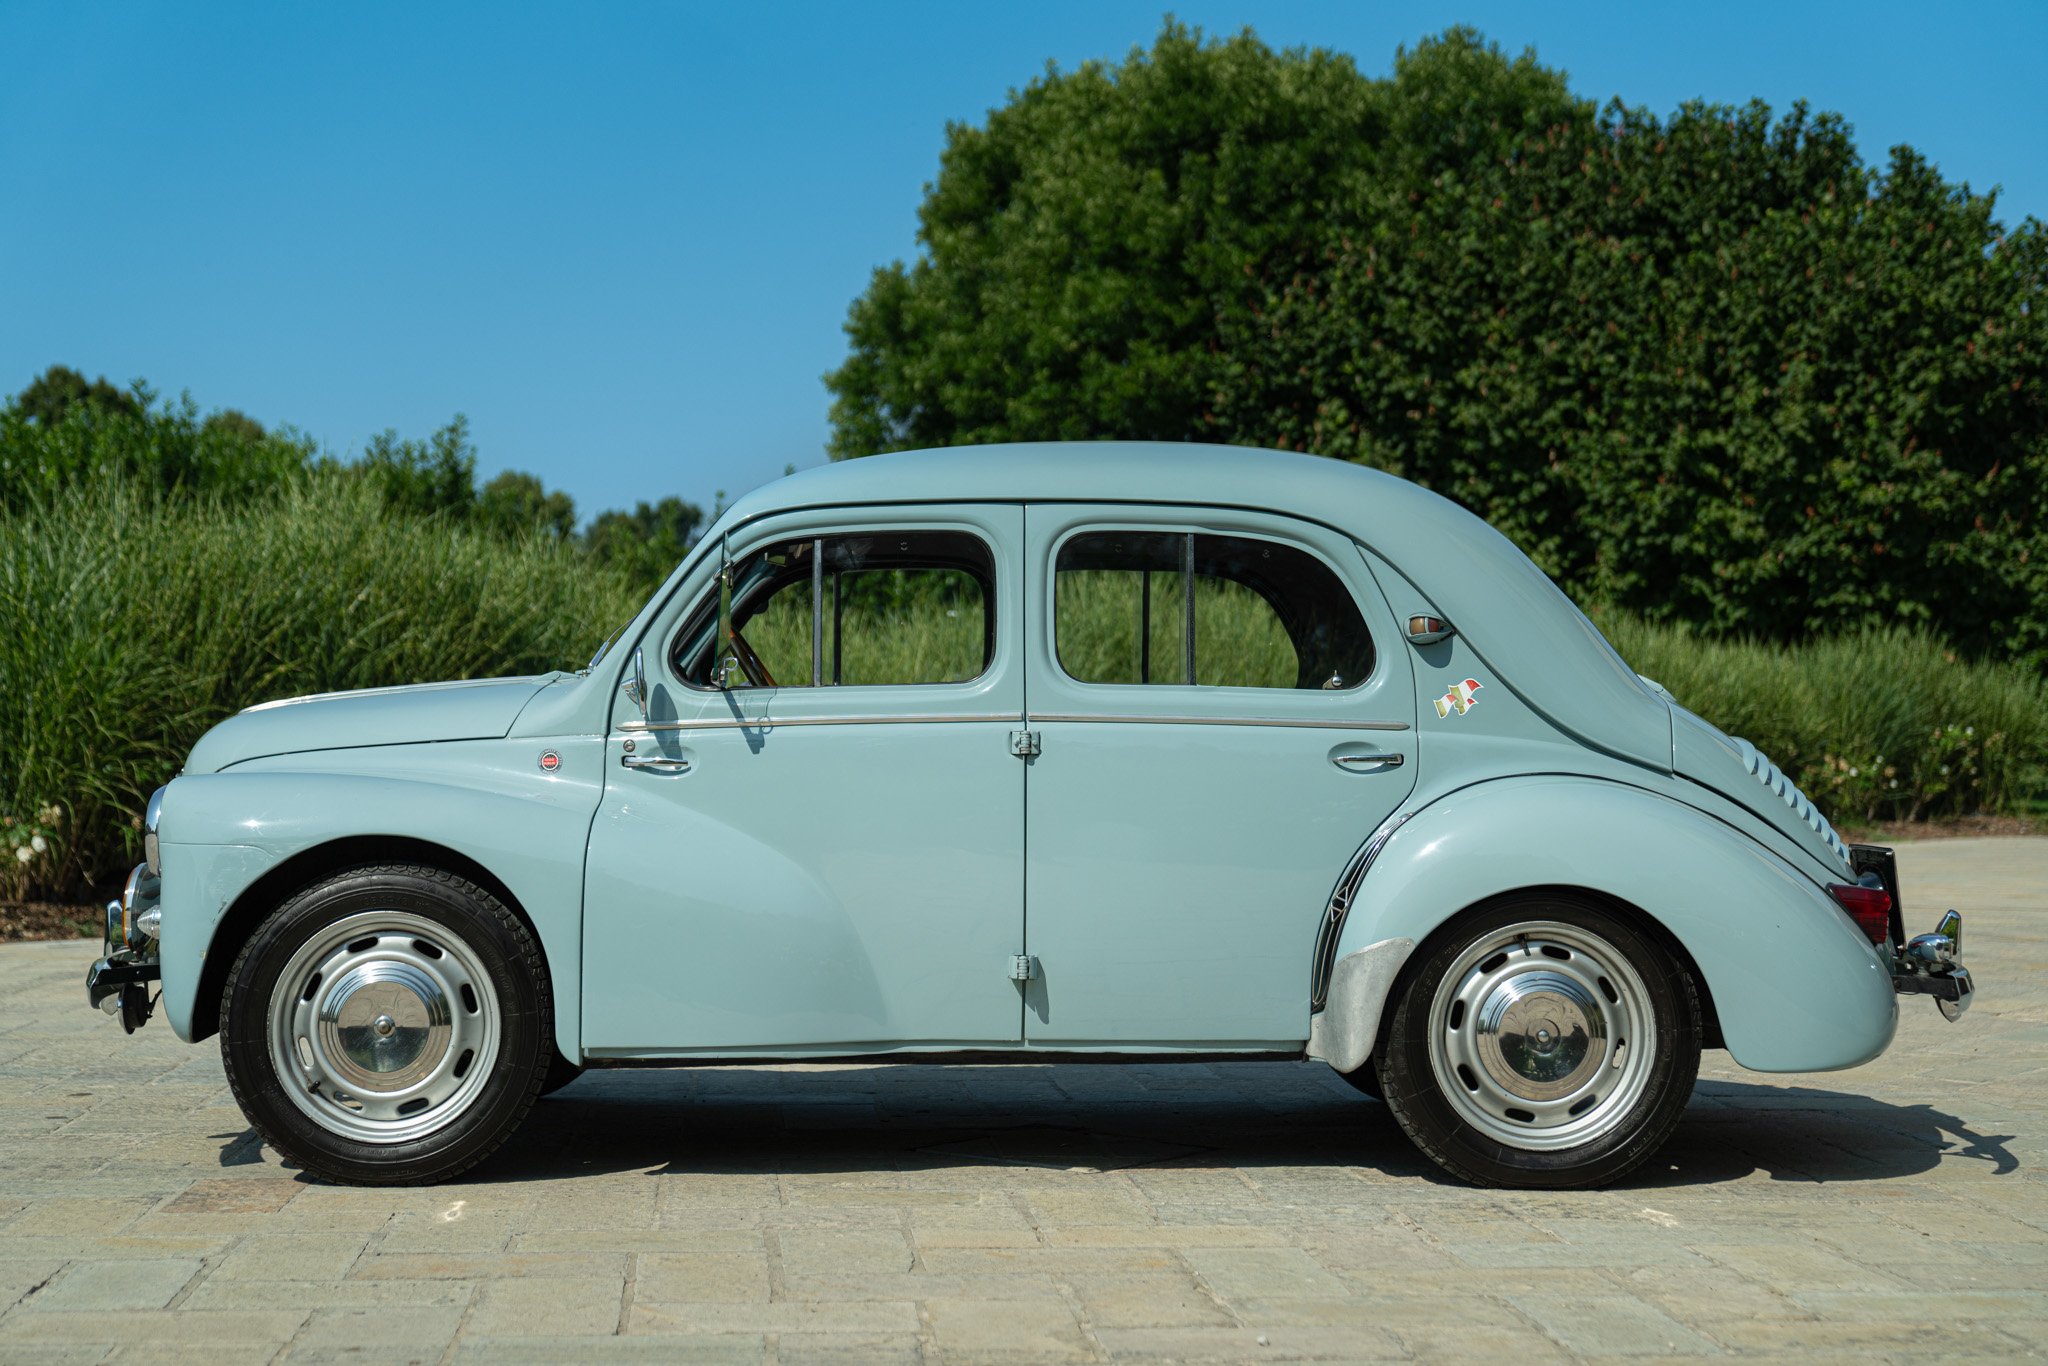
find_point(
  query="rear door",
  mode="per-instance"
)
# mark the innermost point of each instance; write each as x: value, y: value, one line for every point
x: 1224, y: 713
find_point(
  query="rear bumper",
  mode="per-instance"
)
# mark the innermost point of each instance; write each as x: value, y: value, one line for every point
x: 1928, y: 964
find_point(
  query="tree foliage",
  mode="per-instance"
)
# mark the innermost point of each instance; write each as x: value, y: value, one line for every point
x: 1710, y: 367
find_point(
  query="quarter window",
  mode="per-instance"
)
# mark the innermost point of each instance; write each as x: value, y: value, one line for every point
x: 1192, y: 608
x: 874, y: 608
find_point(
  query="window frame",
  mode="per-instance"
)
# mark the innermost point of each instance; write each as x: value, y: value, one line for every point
x: 1190, y: 645
x: 703, y: 615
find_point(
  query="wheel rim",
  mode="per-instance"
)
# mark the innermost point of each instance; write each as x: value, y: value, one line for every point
x: 384, y: 1027
x: 1542, y: 1036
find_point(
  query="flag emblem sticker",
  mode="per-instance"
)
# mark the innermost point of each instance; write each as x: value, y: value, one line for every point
x: 1460, y: 699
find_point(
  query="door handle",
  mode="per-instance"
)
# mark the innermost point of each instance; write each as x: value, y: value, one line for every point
x: 654, y: 763
x: 1367, y: 763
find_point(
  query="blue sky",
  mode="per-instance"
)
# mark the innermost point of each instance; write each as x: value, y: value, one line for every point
x: 623, y: 239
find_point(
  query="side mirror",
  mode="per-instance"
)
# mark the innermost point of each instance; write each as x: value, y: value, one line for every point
x: 1424, y: 629
x: 636, y: 686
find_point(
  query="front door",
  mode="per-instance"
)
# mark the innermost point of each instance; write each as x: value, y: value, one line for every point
x: 828, y: 854
x: 1224, y: 714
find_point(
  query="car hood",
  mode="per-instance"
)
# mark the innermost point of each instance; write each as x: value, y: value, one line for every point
x: 475, y: 709
x: 1739, y: 771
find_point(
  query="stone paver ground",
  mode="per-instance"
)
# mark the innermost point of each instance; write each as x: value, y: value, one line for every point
x: 1044, y: 1213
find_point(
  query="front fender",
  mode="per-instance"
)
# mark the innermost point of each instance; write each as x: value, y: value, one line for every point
x: 1797, y: 987
x: 224, y: 832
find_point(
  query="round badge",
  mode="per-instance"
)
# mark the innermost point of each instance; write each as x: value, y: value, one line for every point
x: 549, y: 761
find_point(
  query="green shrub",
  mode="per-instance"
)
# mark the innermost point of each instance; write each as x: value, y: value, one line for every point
x: 1877, y: 724
x: 130, y: 623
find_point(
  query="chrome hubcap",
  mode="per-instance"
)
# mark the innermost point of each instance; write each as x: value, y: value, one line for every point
x: 384, y: 1027
x: 1542, y: 1036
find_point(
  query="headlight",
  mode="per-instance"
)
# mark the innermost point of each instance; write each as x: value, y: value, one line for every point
x: 151, y: 816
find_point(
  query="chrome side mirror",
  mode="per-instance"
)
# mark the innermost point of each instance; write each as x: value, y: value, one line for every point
x: 1424, y: 629
x: 636, y: 686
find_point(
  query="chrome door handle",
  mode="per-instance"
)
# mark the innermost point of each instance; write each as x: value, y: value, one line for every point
x: 1367, y: 763
x: 654, y: 763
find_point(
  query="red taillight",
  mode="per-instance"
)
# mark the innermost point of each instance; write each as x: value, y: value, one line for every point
x: 1869, y: 907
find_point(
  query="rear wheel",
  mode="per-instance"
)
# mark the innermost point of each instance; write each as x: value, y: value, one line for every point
x: 388, y: 1025
x: 1544, y: 1043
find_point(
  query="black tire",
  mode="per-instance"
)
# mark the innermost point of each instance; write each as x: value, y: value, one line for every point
x: 560, y: 1073
x: 444, y: 923
x: 1623, y: 1128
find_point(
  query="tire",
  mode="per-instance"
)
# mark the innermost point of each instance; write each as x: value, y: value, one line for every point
x: 389, y: 1025
x: 1543, y: 1043
x: 560, y: 1073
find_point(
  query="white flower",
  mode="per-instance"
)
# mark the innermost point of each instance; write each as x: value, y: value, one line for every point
x: 1853, y: 770
x: 1895, y: 782
x: 39, y: 844
x: 1944, y: 770
x: 1969, y: 730
x: 24, y: 853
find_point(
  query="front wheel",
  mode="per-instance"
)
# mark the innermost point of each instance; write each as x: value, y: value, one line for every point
x: 1545, y: 1043
x: 388, y: 1025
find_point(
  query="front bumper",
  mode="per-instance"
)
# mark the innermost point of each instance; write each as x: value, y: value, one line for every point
x: 119, y: 982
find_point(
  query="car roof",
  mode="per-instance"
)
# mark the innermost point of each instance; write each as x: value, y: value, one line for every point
x: 1532, y: 637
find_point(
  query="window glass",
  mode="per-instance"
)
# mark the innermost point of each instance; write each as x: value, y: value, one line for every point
x: 879, y: 608
x: 1263, y: 614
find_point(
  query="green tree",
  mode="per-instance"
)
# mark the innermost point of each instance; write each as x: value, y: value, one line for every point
x: 647, y: 542
x: 1079, y: 248
x: 515, y: 503
x: 428, y: 478
x: 234, y: 423
x: 1711, y: 367
x: 60, y: 388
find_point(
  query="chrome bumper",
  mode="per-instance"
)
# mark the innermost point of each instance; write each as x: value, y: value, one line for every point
x: 119, y: 982
x: 1932, y: 965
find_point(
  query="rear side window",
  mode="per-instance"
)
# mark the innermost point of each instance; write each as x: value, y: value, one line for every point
x: 873, y: 608
x: 1191, y: 608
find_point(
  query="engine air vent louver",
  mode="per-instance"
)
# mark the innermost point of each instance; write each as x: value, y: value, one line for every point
x: 1773, y: 777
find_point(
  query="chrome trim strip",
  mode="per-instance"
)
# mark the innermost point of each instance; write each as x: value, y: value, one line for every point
x: 770, y: 722
x: 1303, y: 723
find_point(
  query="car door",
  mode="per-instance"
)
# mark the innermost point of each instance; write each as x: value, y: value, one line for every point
x: 1223, y: 714
x: 834, y: 861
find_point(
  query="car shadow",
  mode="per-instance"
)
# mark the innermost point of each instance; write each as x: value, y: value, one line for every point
x: 1092, y: 1118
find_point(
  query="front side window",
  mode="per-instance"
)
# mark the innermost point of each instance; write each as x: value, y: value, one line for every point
x: 1193, y: 608
x: 887, y: 607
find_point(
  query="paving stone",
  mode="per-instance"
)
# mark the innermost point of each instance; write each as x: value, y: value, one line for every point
x: 1040, y: 1329
x: 912, y: 1213
x: 116, y: 1285
x: 560, y: 1305
x: 729, y: 1276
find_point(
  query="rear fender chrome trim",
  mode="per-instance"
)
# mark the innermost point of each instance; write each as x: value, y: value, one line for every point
x: 1295, y: 723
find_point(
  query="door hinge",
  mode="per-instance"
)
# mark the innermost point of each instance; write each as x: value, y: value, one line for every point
x: 1023, y: 968
x: 1024, y: 743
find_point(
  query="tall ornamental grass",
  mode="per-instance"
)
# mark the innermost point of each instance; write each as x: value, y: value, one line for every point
x: 1884, y: 723
x: 130, y: 623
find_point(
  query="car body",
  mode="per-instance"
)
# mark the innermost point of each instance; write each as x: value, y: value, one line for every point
x: 1049, y: 795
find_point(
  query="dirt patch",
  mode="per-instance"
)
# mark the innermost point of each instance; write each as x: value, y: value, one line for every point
x: 1965, y: 827
x: 47, y: 920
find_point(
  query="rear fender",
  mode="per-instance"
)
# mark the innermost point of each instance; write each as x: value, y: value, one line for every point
x: 1797, y: 988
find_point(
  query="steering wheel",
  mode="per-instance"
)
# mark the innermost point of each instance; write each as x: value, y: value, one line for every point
x: 750, y: 662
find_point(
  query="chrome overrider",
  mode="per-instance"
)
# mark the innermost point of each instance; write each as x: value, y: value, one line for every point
x: 118, y: 982
x: 1932, y: 965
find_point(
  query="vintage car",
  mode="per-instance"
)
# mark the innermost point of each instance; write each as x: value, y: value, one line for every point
x: 1033, y: 752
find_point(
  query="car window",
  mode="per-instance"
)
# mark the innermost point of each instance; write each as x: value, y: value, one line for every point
x: 1194, y: 608
x: 872, y: 608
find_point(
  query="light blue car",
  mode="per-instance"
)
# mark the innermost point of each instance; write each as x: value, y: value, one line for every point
x: 1026, y: 753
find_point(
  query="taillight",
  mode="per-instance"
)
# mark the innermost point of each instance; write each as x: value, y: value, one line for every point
x: 1869, y: 907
